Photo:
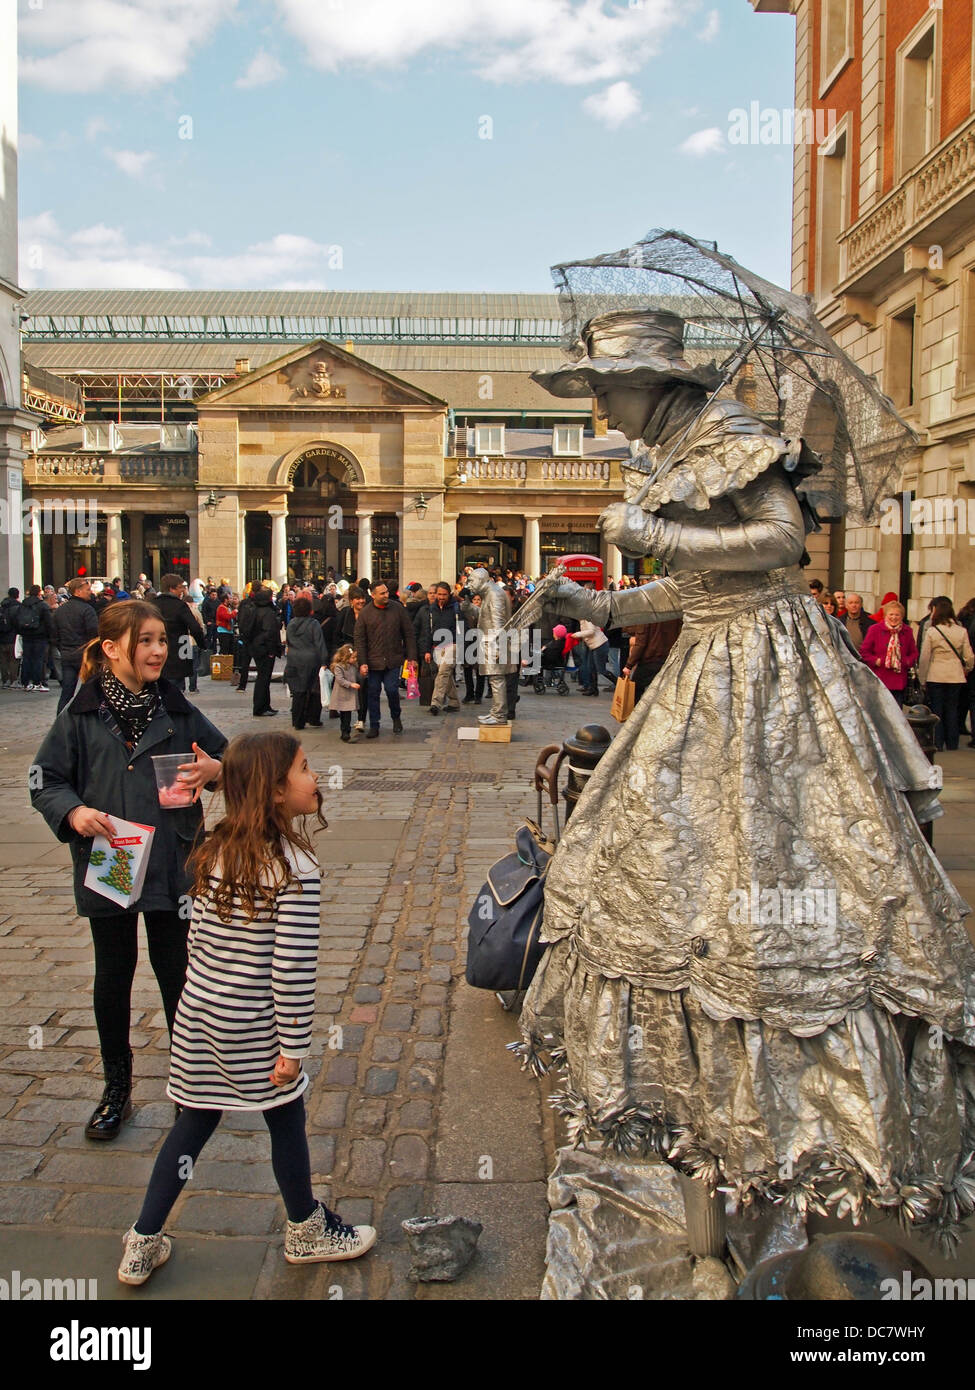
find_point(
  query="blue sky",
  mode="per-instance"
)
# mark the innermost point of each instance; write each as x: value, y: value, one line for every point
x: 338, y: 144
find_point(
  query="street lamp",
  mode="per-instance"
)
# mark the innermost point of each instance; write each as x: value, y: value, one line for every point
x: 211, y: 504
x: 420, y: 505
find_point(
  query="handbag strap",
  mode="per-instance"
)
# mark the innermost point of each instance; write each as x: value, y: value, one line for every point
x: 951, y: 644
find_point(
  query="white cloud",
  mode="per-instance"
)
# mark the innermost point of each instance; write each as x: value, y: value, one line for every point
x: 703, y: 142
x: 28, y: 143
x: 567, y: 41
x: 619, y: 103
x: 263, y: 68
x: 96, y: 126
x: 102, y: 257
x: 129, y: 45
x: 130, y: 162
x: 712, y: 27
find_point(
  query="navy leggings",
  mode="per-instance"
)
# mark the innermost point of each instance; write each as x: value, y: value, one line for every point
x: 289, y: 1159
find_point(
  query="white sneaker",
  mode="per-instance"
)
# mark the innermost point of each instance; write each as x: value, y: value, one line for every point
x: 141, y: 1255
x: 28, y: 687
x: 359, y: 726
x: 46, y: 689
x: 489, y: 721
x: 324, y: 1238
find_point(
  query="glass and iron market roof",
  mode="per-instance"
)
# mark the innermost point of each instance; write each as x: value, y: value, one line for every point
x: 281, y: 316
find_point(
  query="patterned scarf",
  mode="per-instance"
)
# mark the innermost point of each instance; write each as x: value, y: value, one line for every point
x: 132, y: 712
x: 892, y: 661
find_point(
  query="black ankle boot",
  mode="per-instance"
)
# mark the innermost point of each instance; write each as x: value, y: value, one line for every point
x: 115, y: 1105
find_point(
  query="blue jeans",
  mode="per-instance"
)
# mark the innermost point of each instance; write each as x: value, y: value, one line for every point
x: 389, y: 681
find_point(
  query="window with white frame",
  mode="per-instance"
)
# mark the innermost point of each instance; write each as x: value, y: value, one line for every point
x: 837, y: 41
x: 833, y: 212
x: 567, y: 439
x: 918, y: 94
x: 489, y: 439
x: 100, y: 435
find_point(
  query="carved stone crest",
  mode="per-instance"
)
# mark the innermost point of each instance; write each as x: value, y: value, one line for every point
x: 313, y: 380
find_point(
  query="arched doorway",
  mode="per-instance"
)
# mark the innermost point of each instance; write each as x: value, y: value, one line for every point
x: 322, y: 529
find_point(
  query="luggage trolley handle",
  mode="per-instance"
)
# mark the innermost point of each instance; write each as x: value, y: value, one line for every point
x: 547, y: 778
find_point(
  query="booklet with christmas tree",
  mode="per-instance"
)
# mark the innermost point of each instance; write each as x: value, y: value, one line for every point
x: 117, y: 866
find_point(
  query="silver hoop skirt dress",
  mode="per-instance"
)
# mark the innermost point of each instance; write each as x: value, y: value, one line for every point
x: 758, y: 969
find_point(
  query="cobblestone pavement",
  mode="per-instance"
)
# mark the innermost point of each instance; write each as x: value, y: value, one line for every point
x: 414, y: 1106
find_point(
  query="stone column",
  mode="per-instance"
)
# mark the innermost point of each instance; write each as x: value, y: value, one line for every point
x: 612, y: 560
x: 448, y: 546
x: 279, y: 547
x: 113, y: 542
x: 364, y: 562
x: 14, y: 423
x: 242, y: 543
x: 136, y: 548
x: 193, y: 517
x: 35, y: 538
x: 532, y: 554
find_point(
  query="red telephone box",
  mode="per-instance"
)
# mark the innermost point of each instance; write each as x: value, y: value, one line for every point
x: 584, y: 569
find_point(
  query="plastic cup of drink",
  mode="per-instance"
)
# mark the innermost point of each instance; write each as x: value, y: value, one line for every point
x: 173, y: 791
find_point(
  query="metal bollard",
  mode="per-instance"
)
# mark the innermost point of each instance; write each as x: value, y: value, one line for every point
x: 584, y: 751
x: 923, y: 723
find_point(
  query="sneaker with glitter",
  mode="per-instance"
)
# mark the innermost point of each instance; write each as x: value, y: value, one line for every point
x: 323, y: 1237
x: 142, y: 1254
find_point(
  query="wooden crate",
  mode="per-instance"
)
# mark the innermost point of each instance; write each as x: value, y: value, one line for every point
x: 494, y: 733
x: 221, y: 668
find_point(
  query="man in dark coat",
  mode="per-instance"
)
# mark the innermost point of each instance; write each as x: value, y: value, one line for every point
x: 384, y: 638
x: 264, y: 643
x: 9, y: 612
x: 182, y: 630
x: 74, y: 625
x: 436, y: 631
x: 34, y: 624
x: 208, y: 612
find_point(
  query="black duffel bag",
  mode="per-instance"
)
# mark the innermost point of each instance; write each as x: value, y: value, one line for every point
x: 503, y: 947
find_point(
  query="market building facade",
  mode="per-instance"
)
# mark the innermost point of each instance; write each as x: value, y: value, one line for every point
x: 249, y: 435
x: 884, y: 241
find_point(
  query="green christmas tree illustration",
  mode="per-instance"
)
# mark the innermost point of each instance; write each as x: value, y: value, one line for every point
x: 119, y: 875
x: 97, y: 856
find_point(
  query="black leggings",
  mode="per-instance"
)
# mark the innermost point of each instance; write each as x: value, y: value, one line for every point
x: 289, y: 1159
x: 116, y: 956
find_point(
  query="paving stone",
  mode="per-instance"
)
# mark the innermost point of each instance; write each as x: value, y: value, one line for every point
x: 17, y: 1164
x: 399, y: 1204
x: 383, y: 932
x: 444, y: 953
x: 398, y: 1018
x: 409, y: 960
x: 356, y: 1211
x: 415, y: 1114
x: 14, y: 1085
x: 364, y: 1013
x: 369, y: 1117
x: 386, y: 1049
x: 430, y: 1022
x: 94, y: 1211
x: 377, y: 955
x: 26, y: 1133
x: 331, y: 1110
x: 44, y: 1060
x: 428, y: 1051
x: 381, y: 1080
x: 367, y: 994
x: 26, y: 1204
x: 130, y: 1139
x: 410, y: 1157
x: 422, y: 1078
x: 228, y: 1216
x: 372, y: 975
x: 433, y: 994
x: 440, y: 973
x: 342, y: 1071
x: 368, y: 1160
x: 321, y: 1150
x: 56, y: 1112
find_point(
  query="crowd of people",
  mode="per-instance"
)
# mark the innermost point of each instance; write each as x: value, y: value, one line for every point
x: 940, y: 655
x: 346, y: 643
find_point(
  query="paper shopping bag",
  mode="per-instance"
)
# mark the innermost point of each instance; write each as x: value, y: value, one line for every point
x: 624, y: 698
x: 117, y: 867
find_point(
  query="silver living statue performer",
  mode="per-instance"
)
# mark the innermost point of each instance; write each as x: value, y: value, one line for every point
x: 758, y: 970
x: 495, y: 614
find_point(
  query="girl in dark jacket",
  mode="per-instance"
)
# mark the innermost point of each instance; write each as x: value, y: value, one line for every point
x: 307, y: 654
x: 96, y: 763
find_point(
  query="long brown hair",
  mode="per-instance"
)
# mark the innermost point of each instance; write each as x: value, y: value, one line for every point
x: 119, y: 622
x: 251, y: 837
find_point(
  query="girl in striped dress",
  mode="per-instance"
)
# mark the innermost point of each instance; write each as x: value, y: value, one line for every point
x: 244, y: 1020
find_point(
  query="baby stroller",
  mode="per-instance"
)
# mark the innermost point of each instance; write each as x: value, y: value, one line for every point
x: 553, y: 661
